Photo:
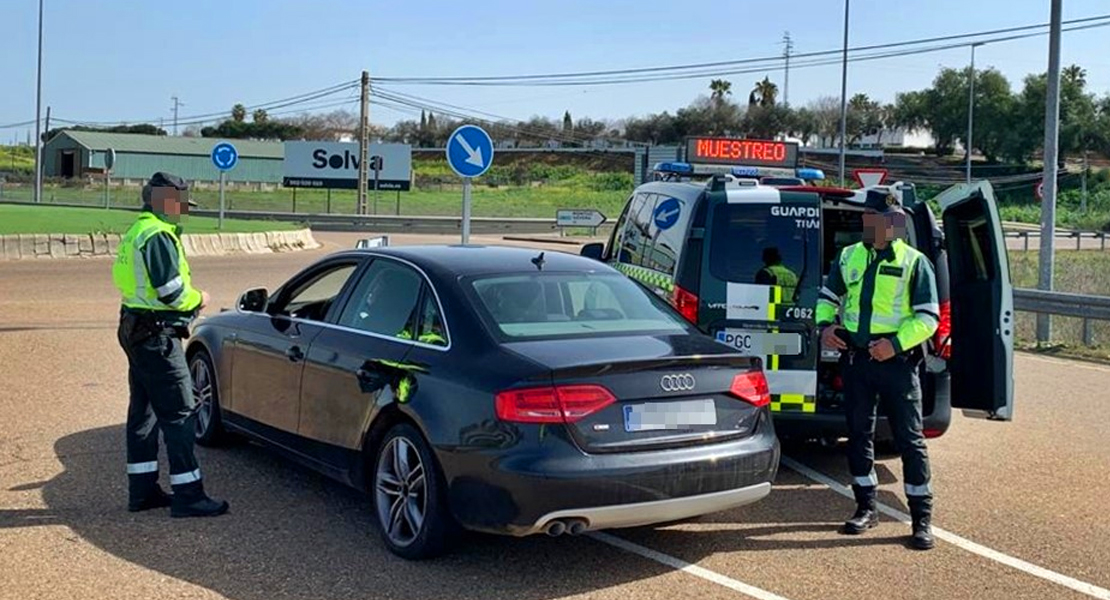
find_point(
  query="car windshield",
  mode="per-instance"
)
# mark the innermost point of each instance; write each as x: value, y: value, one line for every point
x: 526, y: 306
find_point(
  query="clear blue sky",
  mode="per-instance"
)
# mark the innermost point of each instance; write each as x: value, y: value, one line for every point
x: 115, y: 60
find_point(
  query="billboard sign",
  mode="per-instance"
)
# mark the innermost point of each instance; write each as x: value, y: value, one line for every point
x: 335, y: 165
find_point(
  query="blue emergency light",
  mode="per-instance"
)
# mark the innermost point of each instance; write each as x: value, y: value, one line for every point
x: 745, y: 171
x: 810, y: 173
x: 680, y: 168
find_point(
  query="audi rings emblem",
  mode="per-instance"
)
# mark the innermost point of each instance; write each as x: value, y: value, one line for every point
x: 677, y: 383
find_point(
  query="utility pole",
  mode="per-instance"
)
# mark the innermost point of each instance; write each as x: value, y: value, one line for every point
x: 789, y: 47
x: 38, y: 118
x: 1051, y: 145
x: 364, y: 143
x: 971, y: 109
x: 176, y: 103
x: 1083, y: 194
x: 844, y: 95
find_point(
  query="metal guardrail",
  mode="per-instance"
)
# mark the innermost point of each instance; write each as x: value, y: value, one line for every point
x: 393, y: 223
x: 1078, y: 235
x: 1083, y: 306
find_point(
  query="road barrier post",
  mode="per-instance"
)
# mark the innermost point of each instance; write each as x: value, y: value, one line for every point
x: 1088, y: 333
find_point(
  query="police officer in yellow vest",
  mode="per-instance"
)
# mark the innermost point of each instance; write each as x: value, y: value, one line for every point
x: 158, y: 303
x: 890, y: 309
x: 776, y: 273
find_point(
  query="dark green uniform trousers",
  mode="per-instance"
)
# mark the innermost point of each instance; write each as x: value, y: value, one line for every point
x: 161, y: 400
x: 896, y: 384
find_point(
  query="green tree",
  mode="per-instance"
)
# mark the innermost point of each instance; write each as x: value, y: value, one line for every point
x: 803, y: 124
x: 720, y: 89
x: 864, y: 118
x: 763, y: 94
x: 238, y: 113
x: 260, y: 116
x: 568, y: 123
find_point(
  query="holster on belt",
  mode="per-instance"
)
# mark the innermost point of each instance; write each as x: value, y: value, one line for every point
x: 137, y: 328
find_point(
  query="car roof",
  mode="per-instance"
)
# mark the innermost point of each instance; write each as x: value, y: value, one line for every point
x: 473, y: 259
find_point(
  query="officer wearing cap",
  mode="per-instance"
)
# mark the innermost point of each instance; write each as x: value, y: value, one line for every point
x: 158, y: 304
x: 890, y: 308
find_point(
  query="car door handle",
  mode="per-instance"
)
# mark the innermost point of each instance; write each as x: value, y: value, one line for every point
x: 295, y: 354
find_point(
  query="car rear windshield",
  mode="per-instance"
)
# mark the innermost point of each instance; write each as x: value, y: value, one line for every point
x: 748, y: 244
x: 526, y: 306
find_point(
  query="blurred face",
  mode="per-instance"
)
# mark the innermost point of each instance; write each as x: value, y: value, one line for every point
x: 173, y: 204
x: 880, y: 229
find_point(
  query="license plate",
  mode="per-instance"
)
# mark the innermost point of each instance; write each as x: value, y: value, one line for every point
x: 761, y: 343
x: 669, y: 415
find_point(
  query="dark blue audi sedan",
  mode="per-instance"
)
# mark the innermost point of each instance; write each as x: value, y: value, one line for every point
x: 493, y: 389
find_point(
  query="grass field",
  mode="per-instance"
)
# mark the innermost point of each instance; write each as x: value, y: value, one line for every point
x: 487, y: 201
x: 54, y: 219
x: 1080, y: 272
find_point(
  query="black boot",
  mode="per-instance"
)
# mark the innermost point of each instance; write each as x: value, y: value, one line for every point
x: 921, y: 509
x: 189, y: 500
x: 866, y: 517
x: 144, y: 493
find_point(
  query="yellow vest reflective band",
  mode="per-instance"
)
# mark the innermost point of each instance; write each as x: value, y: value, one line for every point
x: 129, y: 271
x: 891, y: 302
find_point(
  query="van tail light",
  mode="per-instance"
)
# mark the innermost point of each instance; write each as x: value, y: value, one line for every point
x: 942, y: 340
x: 686, y: 303
x: 552, y: 404
x: 751, y: 387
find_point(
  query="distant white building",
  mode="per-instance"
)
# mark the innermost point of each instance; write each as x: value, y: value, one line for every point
x: 888, y: 138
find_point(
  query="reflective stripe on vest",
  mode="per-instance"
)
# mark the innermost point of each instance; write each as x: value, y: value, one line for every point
x: 129, y: 271
x: 890, y: 305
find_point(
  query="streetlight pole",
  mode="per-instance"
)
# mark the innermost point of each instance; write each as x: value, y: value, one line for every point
x: 38, y: 118
x: 844, y: 95
x: 1051, y: 146
x: 971, y: 109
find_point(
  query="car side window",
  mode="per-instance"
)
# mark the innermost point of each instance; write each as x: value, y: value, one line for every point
x: 384, y: 301
x: 312, y: 299
x: 432, y: 330
x: 637, y: 235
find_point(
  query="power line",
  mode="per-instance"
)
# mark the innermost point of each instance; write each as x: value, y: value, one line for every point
x: 571, y: 77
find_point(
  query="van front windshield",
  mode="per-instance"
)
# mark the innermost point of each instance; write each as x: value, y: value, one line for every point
x: 766, y: 244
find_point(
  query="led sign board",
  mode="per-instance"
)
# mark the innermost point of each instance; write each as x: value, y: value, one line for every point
x: 730, y: 151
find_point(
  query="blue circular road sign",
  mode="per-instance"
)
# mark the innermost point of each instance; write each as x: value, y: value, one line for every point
x: 470, y: 151
x: 225, y: 156
x: 667, y: 213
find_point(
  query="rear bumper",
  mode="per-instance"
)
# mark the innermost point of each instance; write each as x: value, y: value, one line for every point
x: 519, y: 492
x: 647, y: 513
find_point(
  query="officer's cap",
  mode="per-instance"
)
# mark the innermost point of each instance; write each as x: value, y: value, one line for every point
x: 165, y: 180
x: 882, y: 202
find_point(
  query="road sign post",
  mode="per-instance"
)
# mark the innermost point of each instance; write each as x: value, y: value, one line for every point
x: 109, y: 162
x: 470, y: 154
x: 225, y: 157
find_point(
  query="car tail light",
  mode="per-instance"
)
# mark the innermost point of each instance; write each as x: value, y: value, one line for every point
x: 559, y: 404
x: 932, y: 433
x: 942, y: 339
x: 837, y: 383
x: 751, y: 387
x: 686, y: 303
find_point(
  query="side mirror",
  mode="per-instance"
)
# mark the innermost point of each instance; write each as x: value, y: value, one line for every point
x: 253, y: 300
x: 593, y: 250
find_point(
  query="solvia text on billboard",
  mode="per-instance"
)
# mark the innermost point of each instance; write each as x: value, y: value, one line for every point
x: 733, y: 151
x: 335, y: 165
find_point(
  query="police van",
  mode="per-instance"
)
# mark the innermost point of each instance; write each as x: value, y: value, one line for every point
x: 744, y: 261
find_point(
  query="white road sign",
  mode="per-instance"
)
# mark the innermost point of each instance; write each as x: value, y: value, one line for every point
x: 335, y: 165
x: 579, y: 218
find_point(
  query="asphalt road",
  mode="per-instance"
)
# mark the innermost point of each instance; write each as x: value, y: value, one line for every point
x: 1022, y: 505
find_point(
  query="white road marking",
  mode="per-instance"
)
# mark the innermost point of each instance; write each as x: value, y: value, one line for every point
x: 685, y: 567
x: 1051, y: 576
x: 1067, y: 363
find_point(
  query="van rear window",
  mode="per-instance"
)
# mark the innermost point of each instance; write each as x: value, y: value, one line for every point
x: 750, y: 244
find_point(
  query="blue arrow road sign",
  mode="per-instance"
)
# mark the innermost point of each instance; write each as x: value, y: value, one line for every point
x: 225, y: 156
x: 666, y: 214
x: 470, y: 151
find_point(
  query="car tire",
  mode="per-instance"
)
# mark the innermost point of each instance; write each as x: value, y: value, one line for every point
x: 208, y: 419
x: 409, y: 496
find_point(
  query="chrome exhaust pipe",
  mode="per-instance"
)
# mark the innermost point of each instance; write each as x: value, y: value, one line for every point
x: 556, y: 528
x: 576, y: 527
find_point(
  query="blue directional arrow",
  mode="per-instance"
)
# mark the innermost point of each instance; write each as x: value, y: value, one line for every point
x: 470, y: 151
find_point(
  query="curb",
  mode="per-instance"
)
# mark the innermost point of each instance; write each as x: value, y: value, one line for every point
x: 25, y: 246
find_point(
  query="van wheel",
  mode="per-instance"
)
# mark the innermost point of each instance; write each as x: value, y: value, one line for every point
x: 409, y: 496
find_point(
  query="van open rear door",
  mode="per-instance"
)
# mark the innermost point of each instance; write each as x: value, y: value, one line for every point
x: 982, y: 296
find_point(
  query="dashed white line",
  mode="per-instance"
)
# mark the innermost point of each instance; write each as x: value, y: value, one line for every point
x: 1080, y: 586
x: 685, y: 567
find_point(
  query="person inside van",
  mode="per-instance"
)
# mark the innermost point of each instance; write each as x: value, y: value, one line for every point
x: 776, y: 273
